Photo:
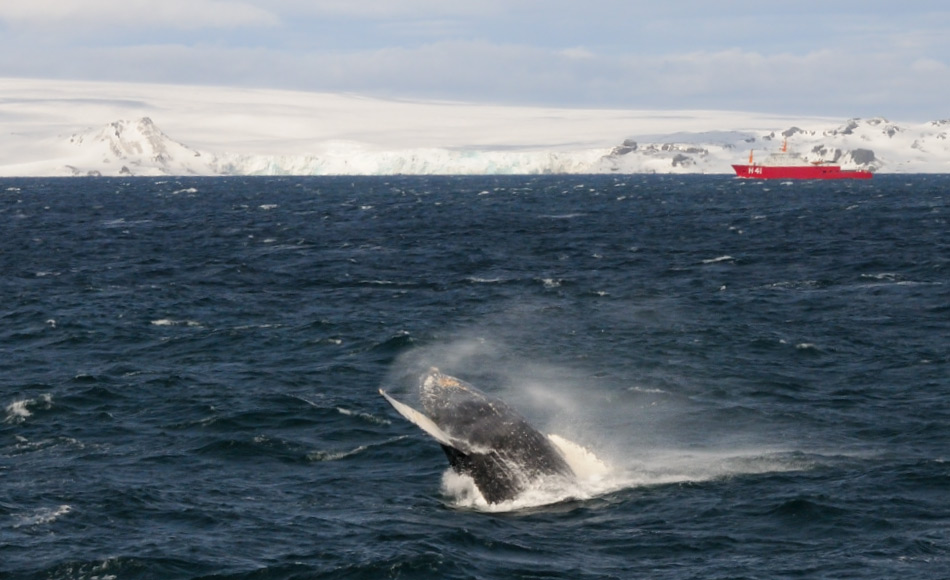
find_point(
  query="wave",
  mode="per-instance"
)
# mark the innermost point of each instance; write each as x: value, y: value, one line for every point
x: 171, y: 322
x: 18, y: 411
x: 718, y: 260
x: 564, y: 216
x: 334, y: 455
x: 115, y: 567
x: 42, y: 516
x: 24, y: 445
x: 368, y: 417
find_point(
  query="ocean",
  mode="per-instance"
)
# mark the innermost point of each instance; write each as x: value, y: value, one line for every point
x: 191, y: 371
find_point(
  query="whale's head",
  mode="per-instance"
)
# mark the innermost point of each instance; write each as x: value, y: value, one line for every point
x: 440, y: 392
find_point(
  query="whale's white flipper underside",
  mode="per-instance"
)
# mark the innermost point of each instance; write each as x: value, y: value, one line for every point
x: 424, y: 423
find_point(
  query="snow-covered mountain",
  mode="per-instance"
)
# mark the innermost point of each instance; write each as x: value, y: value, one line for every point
x: 132, y: 148
x: 875, y: 144
x: 139, y: 147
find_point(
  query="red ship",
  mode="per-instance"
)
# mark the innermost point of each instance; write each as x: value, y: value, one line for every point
x: 787, y: 165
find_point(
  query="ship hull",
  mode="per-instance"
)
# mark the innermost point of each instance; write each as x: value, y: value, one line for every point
x: 798, y: 172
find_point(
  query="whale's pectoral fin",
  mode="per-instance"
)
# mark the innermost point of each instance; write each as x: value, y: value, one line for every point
x: 425, y: 423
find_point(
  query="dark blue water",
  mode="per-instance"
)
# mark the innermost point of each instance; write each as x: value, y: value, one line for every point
x: 189, y: 372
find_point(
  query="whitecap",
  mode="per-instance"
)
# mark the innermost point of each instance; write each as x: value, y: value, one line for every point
x: 563, y: 216
x: 882, y: 276
x: 42, y: 516
x: 796, y: 285
x: 171, y: 322
x: 364, y: 416
x: 24, y: 445
x: 18, y: 411
x: 335, y: 455
x: 646, y: 390
x: 308, y: 401
x: 717, y: 260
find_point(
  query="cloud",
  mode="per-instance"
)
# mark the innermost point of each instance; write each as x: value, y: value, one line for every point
x: 823, y: 82
x: 98, y: 14
x: 577, y: 53
x: 386, y: 9
x: 930, y: 66
x: 607, y: 53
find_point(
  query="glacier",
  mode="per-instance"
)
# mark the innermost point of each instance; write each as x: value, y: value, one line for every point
x: 221, y: 131
x: 139, y: 148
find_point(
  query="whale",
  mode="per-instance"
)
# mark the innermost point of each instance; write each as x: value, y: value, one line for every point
x: 483, y: 437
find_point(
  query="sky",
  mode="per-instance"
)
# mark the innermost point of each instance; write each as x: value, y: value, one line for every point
x: 844, y: 58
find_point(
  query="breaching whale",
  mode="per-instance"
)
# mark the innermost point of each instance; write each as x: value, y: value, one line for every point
x: 483, y: 437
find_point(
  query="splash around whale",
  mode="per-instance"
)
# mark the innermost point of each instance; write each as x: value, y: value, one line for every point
x: 488, y: 441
